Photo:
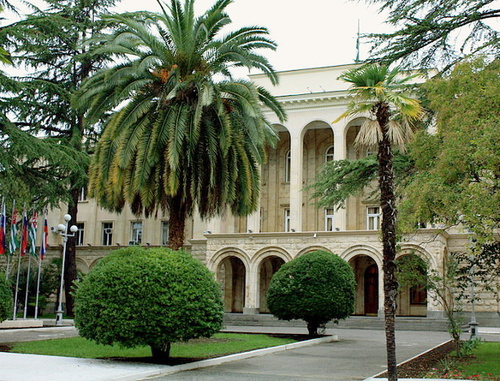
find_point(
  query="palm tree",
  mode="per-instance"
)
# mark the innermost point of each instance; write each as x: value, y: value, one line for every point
x: 184, y: 135
x: 379, y: 91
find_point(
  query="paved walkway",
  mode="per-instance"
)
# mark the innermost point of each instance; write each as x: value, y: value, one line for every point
x: 357, y: 355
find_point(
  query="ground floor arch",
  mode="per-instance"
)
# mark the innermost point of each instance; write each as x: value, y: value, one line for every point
x: 367, y: 277
x: 412, y: 295
x: 231, y: 274
x: 268, y: 267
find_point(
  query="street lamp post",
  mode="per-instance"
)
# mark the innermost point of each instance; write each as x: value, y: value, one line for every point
x: 62, y: 229
x: 473, y: 325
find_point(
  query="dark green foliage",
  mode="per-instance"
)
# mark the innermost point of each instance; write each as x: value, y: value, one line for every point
x: 48, y: 46
x: 136, y: 296
x: 340, y: 179
x: 34, y: 169
x: 5, y: 299
x: 316, y: 287
x: 457, y: 176
x: 51, y: 47
x: 437, y: 33
x: 184, y: 135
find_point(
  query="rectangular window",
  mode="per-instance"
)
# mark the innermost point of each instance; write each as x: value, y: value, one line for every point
x: 373, y: 218
x: 287, y: 220
x: 107, y: 233
x: 329, y: 219
x: 288, y: 166
x: 82, y: 196
x: 80, y: 233
x: 136, y: 233
x: 418, y: 295
x: 164, y: 233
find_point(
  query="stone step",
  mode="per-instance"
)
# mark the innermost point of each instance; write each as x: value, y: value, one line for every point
x: 353, y: 322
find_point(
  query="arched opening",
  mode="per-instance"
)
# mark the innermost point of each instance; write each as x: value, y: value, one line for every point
x: 232, y: 278
x: 371, y: 290
x: 412, y: 278
x: 317, y: 147
x: 366, y: 273
x: 268, y: 267
x: 275, y: 183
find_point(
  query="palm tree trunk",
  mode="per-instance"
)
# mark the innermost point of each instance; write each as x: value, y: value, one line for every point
x: 176, y: 223
x: 389, y: 212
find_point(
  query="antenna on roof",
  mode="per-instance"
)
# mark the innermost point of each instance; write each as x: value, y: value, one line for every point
x: 357, y: 46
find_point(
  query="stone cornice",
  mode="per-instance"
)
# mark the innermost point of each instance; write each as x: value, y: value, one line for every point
x: 314, y: 100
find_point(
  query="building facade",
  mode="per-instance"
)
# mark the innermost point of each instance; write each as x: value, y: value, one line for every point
x: 244, y: 253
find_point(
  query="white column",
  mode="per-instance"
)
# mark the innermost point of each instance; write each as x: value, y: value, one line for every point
x: 253, y: 221
x: 340, y: 153
x: 251, y: 291
x: 296, y: 173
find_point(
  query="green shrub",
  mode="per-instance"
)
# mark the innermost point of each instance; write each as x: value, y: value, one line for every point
x: 5, y: 299
x: 315, y: 287
x: 137, y: 296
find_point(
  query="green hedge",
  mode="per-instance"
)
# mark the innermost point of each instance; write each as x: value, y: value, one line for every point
x: 5, y: 299
x: 137, y: 296
x: 316, y: 287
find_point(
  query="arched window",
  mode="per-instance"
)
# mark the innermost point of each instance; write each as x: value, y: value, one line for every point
x: 288, y: 162
x: 329, y: 154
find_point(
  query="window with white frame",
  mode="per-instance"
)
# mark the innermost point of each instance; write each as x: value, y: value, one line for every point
x: 164, y: 233
x: 287, y: 219
x: 107, y: 233
x: 373, y: 218
x: 136, y: 232
x: 80, y: 233
x: 329, y: 219
x: 288, y: 164
x: 82, y: 196
x: 329, y: 154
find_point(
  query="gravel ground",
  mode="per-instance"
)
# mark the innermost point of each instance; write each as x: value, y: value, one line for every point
x: 418, y: 366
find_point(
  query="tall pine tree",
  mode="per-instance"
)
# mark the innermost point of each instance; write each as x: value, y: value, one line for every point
x: 48, y: 46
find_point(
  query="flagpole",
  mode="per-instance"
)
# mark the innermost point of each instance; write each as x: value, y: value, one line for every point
x: 38, y: 286
x: 25, y: 314
x: 12, y: 250
x: 17, y: 286
x: 3, y: 235
x: 7, y: 268
x: 40, y: 257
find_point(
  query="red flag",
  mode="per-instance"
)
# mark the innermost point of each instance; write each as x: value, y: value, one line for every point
x: 3, y: 221
x: 24, y: 235
x: 45, y: 234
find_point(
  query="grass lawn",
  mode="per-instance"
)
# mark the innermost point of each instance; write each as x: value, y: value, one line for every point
x: 486, y: 362
x: 218, y: 345
x: 482, y: 364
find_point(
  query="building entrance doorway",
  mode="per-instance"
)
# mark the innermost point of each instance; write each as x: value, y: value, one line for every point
x: 371, y: 290
x: 232, y: 279
x: 268, y: 267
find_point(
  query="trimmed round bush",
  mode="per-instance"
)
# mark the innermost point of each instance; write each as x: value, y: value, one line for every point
x: 316, y: 287
x: 137, y: 296
x: 5, y: 299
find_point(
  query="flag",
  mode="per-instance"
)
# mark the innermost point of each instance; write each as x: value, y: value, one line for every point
x: 24, y: 235
x: 32, y: 234
x: 13, y: 242
x: 3, y: 219
x: 45, y: 235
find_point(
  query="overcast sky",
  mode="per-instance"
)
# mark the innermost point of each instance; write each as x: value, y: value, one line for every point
x: 309, y: 33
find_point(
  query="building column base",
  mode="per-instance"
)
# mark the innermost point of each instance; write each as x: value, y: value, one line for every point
x: 250, y: 311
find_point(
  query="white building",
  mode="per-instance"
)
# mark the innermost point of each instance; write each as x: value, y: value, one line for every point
x: 245, y: 252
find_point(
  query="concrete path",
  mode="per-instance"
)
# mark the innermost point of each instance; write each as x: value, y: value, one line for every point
x: 357, y: 355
